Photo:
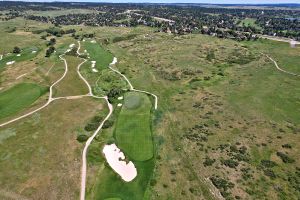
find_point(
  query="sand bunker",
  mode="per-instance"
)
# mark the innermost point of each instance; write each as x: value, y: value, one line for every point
x: 33, y: 52
x: 93, y: 41
x: 19, y: 55
x: 120, y: 98
x: 10, y: 63
x: 93, y: 66
x: 119, y: 104
x: 115, y: 60
x: 72, y: 45
x: 115, y: 159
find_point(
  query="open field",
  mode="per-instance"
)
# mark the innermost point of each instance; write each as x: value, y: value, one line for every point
x: 41, y: 158
x: 227, y: 122
x: 59, y: 12
x: 249, y: 22
x: 133, y: 131
x: 19, y: 97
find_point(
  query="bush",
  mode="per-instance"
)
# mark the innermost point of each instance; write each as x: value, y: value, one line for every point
x: 285, y: 158
x: 153, y: 182
x: 108, y: 123
x: 230, y: 163
x: 287, y: 146
x: 270, y: 173
x: 50, y: 51
x: 82, y: 138
x: 16, y: 50
x: 268, y: 163
x: 208, y: 161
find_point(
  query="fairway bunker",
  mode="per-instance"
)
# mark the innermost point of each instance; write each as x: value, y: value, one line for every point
x: 93, y: 66
x: 116, y: 161
x: 10, y: 63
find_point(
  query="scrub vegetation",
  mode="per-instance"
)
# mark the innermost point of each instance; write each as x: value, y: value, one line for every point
x: 227, y: 123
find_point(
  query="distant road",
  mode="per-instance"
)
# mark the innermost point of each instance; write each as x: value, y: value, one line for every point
x: 279, y: 39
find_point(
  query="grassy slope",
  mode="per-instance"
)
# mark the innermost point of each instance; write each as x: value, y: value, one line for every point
x: 40, y: 154
x: 252, y: 104
x: 19, y: 97
x: 71, y: 85
x: 97, y: 53
x: 133, y: 133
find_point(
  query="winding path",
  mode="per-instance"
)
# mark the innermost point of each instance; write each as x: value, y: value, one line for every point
x: 90, y: 94
x: 50, y: 99
x: 130, y: 85
x: 282, y: 70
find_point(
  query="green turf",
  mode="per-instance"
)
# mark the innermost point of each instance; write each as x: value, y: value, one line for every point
x: 18, y: 98
x: 249, y: 22
x: 110, y: 184
x: 133, y: 132
x: 26, y: 54
x: 97, y: 53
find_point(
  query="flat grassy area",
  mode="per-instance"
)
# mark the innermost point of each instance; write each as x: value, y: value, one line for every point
x: 97, y: 53
x: 71, y: 85
x: 249, y: 22
x: 110, y: 185
x: 55, y: 13
x: 133, y: 131
x: 19, y: 97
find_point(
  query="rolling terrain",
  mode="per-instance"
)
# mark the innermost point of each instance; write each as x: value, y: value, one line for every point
x: 200, y: 117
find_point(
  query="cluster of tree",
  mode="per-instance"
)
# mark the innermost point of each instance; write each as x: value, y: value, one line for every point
x: 16, y: 50
x: 49, y: 51
x: 222, y: 22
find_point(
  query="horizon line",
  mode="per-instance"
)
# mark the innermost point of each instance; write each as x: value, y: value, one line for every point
x: 145, y: 2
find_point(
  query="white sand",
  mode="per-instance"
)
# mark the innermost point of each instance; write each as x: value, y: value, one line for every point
x: 120, y: 98
x: 115, y: 60
x: 72, y: 45
x: 1, y: 56
x: 93, y: 41
x: 19, y: 55
x: 83, y: 40
x: 119, y: 104
x: 93, y: 66
x: 115, y: 159
x: 85, y: 50
x: 33, y: 52
x: 10, y: 63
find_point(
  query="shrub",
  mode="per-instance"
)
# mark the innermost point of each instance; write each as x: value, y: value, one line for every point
x: 208, y: 161
x: 285, y: 158
x: 270, y: 173
x: 153, y: 182
x: 287, y: 146
x: 108, y: 123
x: 268, y: 163
x: 16, y: 50
x: 82, y: 138
x: 230, y: 163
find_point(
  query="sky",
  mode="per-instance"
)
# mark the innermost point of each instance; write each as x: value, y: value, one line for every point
x: 187, y: 1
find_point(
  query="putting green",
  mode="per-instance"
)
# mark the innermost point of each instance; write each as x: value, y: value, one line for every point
x: 19, y: 97
x: 133, y: 132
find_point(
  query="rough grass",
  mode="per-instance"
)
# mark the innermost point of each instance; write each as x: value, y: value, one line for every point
x: 42, y: 159
x: 72, y: 84
x: 19, y: 97
x: 97, y: 53
x: 133, y: 132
